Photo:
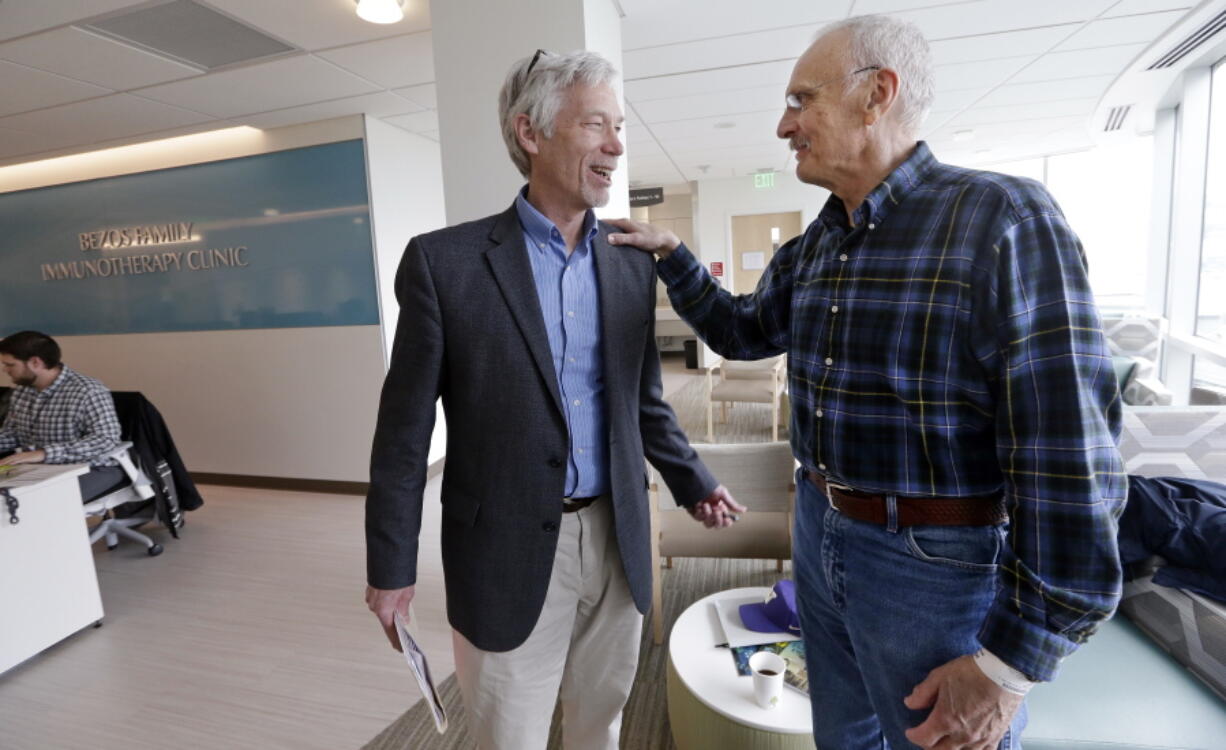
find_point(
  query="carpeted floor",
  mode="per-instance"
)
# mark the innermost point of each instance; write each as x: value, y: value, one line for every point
x: 747, y: 423
x: 645, y: 726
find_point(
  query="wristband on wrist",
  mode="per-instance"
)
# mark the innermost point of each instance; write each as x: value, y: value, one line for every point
x: 1009, y: 679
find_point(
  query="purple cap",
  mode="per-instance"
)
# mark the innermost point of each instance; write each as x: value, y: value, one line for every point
x: 775, y: 615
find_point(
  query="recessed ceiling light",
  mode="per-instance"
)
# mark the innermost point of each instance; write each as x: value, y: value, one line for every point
x: 961, y: 136
x: 380, y: 11
x: 724, y: 125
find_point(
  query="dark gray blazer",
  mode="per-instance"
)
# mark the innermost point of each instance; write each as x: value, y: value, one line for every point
x: 472, y: 333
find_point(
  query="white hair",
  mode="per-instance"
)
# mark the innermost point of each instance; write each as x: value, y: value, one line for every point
x: 536, y: 90
x: 898, y: 45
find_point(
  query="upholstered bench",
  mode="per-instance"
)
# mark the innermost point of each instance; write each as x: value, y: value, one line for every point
x: 1121, y: 689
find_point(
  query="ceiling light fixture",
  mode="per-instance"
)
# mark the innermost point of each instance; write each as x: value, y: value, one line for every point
x: 962, y: 136
x: 380, y: 11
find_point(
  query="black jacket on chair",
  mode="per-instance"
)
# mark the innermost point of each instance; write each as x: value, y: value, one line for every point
x: 142, y: 424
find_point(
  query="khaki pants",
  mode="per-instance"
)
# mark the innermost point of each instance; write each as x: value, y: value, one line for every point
x: 584, y: 647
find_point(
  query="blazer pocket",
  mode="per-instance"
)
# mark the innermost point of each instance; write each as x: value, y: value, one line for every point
x: 459, y: 506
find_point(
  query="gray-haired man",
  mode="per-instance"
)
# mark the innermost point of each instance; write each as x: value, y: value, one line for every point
x: 539, y: 339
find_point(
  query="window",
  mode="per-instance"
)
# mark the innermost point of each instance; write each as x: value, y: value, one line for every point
x: 1106, y: 193
x: 1211, y: 302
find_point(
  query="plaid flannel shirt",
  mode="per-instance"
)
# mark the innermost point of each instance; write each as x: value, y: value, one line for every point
x: 947, y: 344
x: 73, y: 420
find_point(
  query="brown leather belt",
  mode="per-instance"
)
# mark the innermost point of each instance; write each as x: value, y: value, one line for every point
x: 912, y: 511
x: 572, y: 504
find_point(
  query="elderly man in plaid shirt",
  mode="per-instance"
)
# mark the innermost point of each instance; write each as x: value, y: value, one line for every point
x: 954, y: 411
x: 57, y: 415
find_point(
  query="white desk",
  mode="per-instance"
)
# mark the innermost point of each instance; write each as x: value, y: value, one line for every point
x: 48, y: 586
x: 710, y: 706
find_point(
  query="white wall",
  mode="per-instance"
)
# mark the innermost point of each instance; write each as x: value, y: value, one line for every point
x: 276, y: 402
x: 405, y: 172
x: 285, y: 402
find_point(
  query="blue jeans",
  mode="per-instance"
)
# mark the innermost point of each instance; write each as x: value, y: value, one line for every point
x: 880, y: 608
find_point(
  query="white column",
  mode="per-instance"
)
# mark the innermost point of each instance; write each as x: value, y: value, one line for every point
x: 475, y: 42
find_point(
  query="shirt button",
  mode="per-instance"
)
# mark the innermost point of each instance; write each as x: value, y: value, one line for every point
x: 834, y: 308
x: 822, y: 466
x: 575, y: 402
x: 871, y: 226
x: 829, y: 361
x: 843, y: 257
x: 818, y: 413
x: 541, y: 245
x: 580, y: 451
x: 555, y: 463
x: 570, y: 313
x: 570, y: 359
x: 549, y: 526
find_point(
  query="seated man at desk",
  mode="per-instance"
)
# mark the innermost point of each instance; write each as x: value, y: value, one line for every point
x: 57, y: 415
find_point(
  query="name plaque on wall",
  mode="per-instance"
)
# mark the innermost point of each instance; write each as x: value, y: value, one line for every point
x: 279, y: 240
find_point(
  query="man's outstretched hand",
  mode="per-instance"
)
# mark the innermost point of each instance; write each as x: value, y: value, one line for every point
x: 717, y: 510
x: 643, y: 236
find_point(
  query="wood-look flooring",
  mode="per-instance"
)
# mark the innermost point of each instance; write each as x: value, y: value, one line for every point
x: 248, y: 632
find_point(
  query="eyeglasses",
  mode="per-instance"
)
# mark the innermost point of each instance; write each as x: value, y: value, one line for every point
x: 797, y: 101
x: 532, y: 64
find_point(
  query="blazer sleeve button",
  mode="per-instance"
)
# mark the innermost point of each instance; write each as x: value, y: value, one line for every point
x: 549, y: 526
x: 555, y: 462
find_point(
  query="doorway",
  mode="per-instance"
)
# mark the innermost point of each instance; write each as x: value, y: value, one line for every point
x: 755, y: 238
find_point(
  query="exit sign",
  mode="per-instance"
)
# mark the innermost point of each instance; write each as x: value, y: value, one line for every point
x: 764, y: 180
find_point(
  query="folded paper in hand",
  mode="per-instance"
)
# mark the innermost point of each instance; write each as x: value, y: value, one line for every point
x: 421, y: 670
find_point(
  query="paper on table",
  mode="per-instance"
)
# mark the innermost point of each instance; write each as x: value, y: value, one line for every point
x: 23, y: 475
x: 735, y: 632
x: 421, y: 670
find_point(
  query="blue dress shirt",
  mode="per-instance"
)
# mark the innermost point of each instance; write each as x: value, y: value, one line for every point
x: 570, y: 303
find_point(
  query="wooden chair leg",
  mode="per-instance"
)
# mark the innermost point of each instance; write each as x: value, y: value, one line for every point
x: 710, y: 421
x: 668, y: 563
x: 723, y: 412
x: 779, y: 566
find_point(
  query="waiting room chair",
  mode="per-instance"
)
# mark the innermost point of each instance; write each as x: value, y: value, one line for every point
x: 761, y: 476
x: 137, y: 489
x: 762, y: 381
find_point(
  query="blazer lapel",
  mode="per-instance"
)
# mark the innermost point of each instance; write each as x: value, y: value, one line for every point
x: 508, y: 259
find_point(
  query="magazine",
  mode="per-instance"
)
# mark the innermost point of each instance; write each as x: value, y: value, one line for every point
x: 421, y: 670
x: 793, y: 653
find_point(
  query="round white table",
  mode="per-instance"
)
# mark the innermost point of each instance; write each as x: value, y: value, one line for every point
x: 710, y: 706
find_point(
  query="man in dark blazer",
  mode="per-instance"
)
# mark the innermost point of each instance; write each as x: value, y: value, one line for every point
x: 539, y: 339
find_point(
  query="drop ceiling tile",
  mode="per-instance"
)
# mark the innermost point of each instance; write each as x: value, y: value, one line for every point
x: 648, y: 23
x: 21, y: 17
x: 1077, y: 63
x: 278, y: 84
x: 864, y: 7
x: 744, y: 77
x: 321, y: 24
x: 399, y: 61
x: 758, y: 99
x: 991, y: 16
x: 1127, y: 30
x: 19, y: 143
x: 381, y: 104
x: 103, y: 119
x: 1134, y: 7
x: 723, y: 52
x: 23, y: 89
x: 977, y: 75
x: 421, y: 122
x: 426, y: 95
x: 1069, y: 88
x: 94, y: 59
x: 1027, y: 42
x: 1021, y: 112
